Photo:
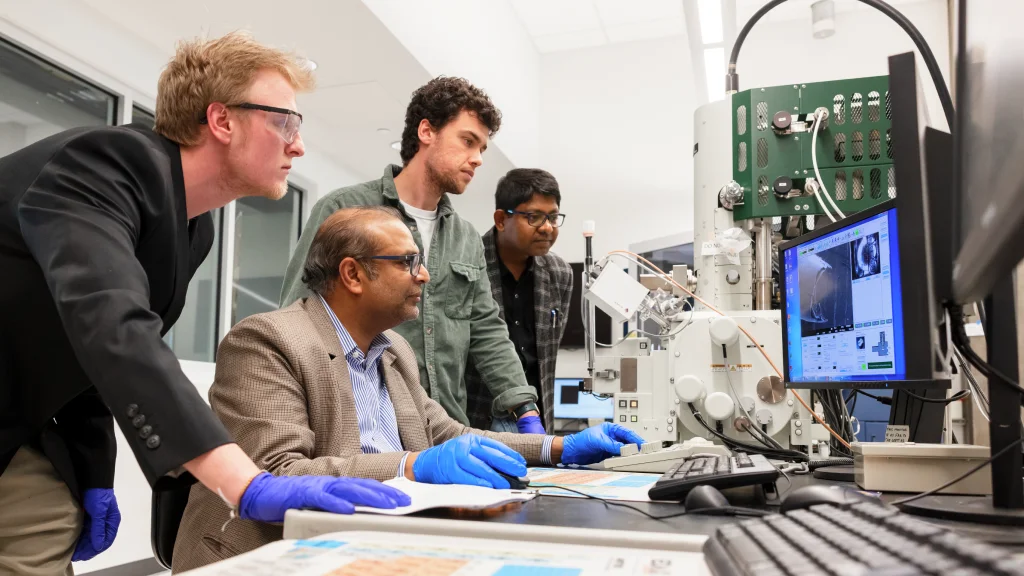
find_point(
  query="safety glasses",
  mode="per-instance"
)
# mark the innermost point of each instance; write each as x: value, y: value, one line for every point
x: 282, y: 120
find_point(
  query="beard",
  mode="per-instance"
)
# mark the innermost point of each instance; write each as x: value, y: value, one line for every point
x: 446, y: 183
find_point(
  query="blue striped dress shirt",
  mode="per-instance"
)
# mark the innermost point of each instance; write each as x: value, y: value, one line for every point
x: 378, y: 426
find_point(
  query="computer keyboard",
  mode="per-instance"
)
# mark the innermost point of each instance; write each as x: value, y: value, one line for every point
x: 865, y: 538
x: 651, y: 457
x: 713, y: 470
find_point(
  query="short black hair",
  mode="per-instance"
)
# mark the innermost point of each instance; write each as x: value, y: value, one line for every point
x: 520, y: 184
x: 344, y: 234
x: 440, y: 101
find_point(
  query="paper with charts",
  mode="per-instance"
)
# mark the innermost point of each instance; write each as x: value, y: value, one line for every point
x: 392, y: 554
x: 427, y: 496
x: 628, y: 486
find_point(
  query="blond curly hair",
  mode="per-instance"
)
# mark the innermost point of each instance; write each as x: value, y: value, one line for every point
x: 204, y: 71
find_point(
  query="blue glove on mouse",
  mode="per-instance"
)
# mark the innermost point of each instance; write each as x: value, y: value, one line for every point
x: 268, y: 497
x: 101, y: 521
x: 468, y: 459
x: 530, y: 425
x: 597, y: 443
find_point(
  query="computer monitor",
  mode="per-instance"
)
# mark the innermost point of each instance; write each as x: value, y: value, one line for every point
x: 572, y: 403
x: 987, y: 234
x: 990, y: 78
x: 843, y: 304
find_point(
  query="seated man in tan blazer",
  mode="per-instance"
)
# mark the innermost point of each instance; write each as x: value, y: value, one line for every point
x: 325, y: 387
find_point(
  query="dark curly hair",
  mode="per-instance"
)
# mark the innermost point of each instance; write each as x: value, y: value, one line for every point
x: 440, y: 101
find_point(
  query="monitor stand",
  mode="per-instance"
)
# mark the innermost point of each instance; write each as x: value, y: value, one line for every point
x: 1006, y: 505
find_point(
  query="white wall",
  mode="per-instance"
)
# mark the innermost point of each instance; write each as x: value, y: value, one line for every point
x: 617, y: 133
x: 485, y: 43
x: 861, y: 46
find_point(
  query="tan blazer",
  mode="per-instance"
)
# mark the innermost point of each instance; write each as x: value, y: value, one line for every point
x: 282, y: 390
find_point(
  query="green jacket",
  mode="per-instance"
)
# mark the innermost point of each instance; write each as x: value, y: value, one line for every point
x: 458, y: 320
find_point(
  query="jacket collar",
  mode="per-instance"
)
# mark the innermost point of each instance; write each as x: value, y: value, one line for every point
x: 444, y: 207
x: 328, y: 335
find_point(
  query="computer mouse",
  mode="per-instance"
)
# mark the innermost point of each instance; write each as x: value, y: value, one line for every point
x: 513, y: 482
x: 808, y: 496
x: 705, y: 497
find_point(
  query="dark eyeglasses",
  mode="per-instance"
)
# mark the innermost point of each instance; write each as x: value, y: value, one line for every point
x: 536, y: 219
x: 413, y: 261
x: 284, y: 121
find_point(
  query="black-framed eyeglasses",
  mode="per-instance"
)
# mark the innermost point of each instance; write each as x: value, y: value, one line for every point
x: 536, y: 219
x: 284, y: 121
x: 413, y: 261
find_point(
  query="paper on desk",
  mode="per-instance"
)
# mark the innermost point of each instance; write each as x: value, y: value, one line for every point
x: 388, y: 554
x: 427, y: 496
x: 629, y: 486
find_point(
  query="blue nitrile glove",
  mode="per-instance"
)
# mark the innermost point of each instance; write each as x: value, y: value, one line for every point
x: 530, y: 425
x: 101, y: 521
x: 597, y: 443
x: 469, y: 459
x: 268, y: 497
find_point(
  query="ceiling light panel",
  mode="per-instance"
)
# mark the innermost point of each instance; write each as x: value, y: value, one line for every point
x: 710, y: 21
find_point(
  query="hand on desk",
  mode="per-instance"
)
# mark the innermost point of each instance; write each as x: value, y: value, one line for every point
x: 468, y: 459
x: 102, y: 519
x: 268, y: 497
x: 597, y: 443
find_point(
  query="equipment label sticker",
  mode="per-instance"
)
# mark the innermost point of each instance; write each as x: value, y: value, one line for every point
x: 897, y: 433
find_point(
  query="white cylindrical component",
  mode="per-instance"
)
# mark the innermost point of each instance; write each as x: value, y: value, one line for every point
x: 719, y: 406
x: 724, y: 331
x: 823, y: 18
x: 689, y: 388
x: 589, y: 226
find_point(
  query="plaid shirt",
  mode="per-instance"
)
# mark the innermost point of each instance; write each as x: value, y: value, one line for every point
x: 552, y: 290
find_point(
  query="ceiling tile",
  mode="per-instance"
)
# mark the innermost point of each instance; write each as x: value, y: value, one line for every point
x: 645, y: 30
x: 546, y: 17
x: 570, y: 41
x: 614, y: 12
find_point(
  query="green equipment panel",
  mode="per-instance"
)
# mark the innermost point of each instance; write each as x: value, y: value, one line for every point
x: 854, y: 150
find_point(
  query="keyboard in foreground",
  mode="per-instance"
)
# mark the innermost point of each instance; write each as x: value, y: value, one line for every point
x: 862, y: 539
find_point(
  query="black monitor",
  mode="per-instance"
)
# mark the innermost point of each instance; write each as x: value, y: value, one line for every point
x: 987, y: 238
x: 991, y: 88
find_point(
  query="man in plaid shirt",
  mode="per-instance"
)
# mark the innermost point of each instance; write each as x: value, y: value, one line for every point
x: 531, y: 286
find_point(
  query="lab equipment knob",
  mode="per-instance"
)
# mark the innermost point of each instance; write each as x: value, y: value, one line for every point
x: 719, y: 406
x: 724, y: 331
x: 689, y: 388
x: 589, y: 227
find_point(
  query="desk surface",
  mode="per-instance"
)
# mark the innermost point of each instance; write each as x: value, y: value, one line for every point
x: 558, y: 512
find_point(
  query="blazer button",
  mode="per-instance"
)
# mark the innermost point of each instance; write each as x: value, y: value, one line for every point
x: 139, y: 420
x: 153, y: 442
x: 145, y: 431
x: 132, y: 410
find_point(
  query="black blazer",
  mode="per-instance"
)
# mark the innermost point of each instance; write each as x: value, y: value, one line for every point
x: 96, y: 253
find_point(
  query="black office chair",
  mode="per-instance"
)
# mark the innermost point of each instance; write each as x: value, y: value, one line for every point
x: 170, y: 495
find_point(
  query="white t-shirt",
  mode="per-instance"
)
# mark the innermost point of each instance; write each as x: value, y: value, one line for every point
x: 425, y: 221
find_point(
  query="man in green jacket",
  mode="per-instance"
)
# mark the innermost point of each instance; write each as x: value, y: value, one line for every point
x: 447, y: 127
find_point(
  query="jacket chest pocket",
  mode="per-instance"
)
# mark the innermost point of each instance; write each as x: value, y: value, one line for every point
x: 461, y: 280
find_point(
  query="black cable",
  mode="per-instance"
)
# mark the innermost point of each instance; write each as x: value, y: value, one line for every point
x: 815, y: 464
x: 742, y: 446
x: 963, y: 345
x: 727, y: 511
x: 882, y: 399
x: 732, y: 81
x: 961, y: 477
x: 955, y: 397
